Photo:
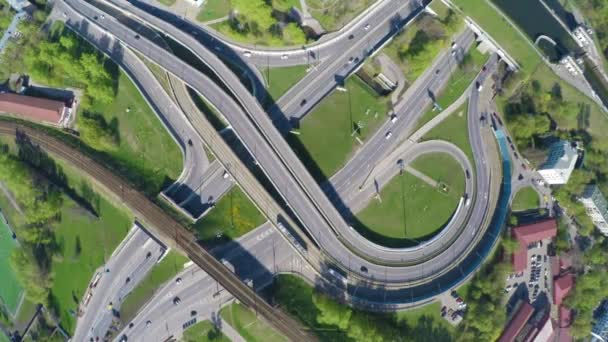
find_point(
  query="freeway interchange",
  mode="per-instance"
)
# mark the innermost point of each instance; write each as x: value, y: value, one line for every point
x: 379, y: 278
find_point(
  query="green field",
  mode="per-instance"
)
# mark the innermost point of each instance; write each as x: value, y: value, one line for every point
x: 505, y: 35
x: 6, y: 16
x: 213, y: 9
x: 74, y: 268
x: 525, y: 199
x: 279, y: 80
x: 234, y: 215
x: 454, y: 129
x: 256, y: 23
x: 456, y: 85
x: 437, y: 38
x: 171, y: 265
x: 248, y: 325
x: 411, y: 210
x: 167, y: 2
x: 145, y: 147
x: 326, y: 141
x: 203, y: 332
x: 334, y: 14
x: 10, y: 290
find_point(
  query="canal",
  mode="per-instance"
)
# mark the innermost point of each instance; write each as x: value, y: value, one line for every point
x: 535, y: 20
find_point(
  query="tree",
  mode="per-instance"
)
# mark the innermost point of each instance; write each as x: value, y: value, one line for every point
x: 35, y: 281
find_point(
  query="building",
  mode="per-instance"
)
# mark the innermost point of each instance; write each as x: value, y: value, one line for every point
x: 529, y: 234
x: 600, y: 327
x: 18, y: 5
x: 559, y: 164
x: 561, y: 286
x: 34, y: 108
x: 517, y: 323
x: 596, y: 206
x: 546, y: 331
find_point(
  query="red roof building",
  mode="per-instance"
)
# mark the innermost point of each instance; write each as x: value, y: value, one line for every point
x: 565, y: 317
x: 528, y: 234
x: 561, y: 287
x: 517, y: 323
x: 33, y: 108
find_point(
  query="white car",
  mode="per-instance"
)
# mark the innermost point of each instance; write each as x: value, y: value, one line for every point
x: 388, y: 135
x: 367, y: 26
x: 454, y: 45
x: 394, y: 118
x: 284, y: 57
x: 226, y: 175
x: 247, y: 54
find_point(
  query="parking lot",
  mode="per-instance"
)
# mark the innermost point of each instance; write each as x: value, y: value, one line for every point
x: 536, y: 278
x: 453, y: 307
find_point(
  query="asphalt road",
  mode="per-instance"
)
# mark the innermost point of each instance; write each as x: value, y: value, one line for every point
x: 277, y: 160
x: 200, y: 184
x: 325, y: 48
x: 128, y: 265
x: 256, y: 256
x: 347, y: 56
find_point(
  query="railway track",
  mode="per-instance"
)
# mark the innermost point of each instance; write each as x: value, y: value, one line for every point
x: 163, y: 225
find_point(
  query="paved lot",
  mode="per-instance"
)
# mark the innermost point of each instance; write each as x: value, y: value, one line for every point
x: 536, y: 278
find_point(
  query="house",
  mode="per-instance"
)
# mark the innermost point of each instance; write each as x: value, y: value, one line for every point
x: 34, y: 108
x: 561, y: 286
x: 517, y: 323
x: 560, y: 163
x: 596, y: 207
x: 529, y: 234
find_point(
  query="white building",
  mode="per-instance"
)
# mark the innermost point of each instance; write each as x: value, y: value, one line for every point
x: 560, y: 163
x: 597, y: 208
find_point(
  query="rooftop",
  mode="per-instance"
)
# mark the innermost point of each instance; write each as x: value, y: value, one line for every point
x: 593, y: 193
x: 561, y: 287
x: 517, y: 323
x: 561, y: 156
x: 527, y: 234
x: 33, y: 108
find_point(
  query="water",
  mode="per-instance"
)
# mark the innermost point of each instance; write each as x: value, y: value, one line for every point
x: 534, y: 19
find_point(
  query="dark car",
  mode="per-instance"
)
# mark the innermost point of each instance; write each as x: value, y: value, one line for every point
x: 363, y: 269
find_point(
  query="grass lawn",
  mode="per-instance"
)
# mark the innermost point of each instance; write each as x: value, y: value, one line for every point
x: 248, y: 325
x: 326, y: 142
x: 440, y: 8
x: 279, y: 80
x: 414, y: 66
x: 525, y: 199
x: 171, y: 265
x: 203, y: 332
x: 456, y: 85
x: 455, y: 130
x: 411, y: 210
x: 6, y: 16
x: 213, y: 9
x: 145, y: 147
x: 431, y: 312
x: 73, y: 270
x: 10, y: 290
x: 334, y: 14
x: 234, y: 215
x: 505, y: 35
x: 167, y: 2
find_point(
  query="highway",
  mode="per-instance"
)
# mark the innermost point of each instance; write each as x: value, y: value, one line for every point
x: 127, y: 266
x: 199, y: 181
x: 256, y: 256
x: 325, y: 48
x: 273, y: 160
